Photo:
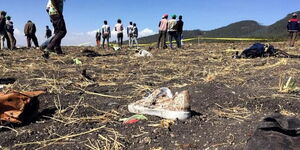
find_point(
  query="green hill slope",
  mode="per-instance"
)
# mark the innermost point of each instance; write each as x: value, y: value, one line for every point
x: 242, y: 29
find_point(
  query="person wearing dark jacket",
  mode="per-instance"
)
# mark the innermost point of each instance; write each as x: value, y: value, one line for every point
x: 55, y: 11
x: 293, y: 28
x: 180, y: 24
x: 10, y: 33
x: 48, y: 32
x: 29, y: 31
x: 2, y: 28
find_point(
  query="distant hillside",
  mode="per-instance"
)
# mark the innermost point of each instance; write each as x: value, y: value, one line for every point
x: 276, y: 30
x: 248, y: 28
x: 239, y: 29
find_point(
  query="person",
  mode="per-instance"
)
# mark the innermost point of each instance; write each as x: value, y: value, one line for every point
x: 2, y: 29
x: 30, y: 31
x: 180, y: 24
x: 130, y: 34
x: 172, y: 30
x: 293, y: 28
x: 10, y: 33
x: 119, y: 29
x: 135, y: 34
x: 163, y: 24
x: 105, y: 34
x: 98, y: 38
x: 55, y: 11
x: 48, y: 32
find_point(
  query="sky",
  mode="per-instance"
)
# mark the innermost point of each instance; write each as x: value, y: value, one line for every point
x: 84, y: 17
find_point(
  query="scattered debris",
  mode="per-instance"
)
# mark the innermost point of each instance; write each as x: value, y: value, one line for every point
x: 90, y: 53
x: 7, y: 80
x: 87, y: 76
x: 133, y: 119
x: 77, y: 61
x: 276, y: 132
x: 163, y: 123
x: 143, y: 53
x: 116, y: 48
x: 237, y: 113
x: 16, y: 107
x: 289, y: 86
x: 163, y: 103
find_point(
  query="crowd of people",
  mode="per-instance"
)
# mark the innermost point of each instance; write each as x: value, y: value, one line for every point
x: 172, y: 28
x: 55, y: 11
x: 105, y: 31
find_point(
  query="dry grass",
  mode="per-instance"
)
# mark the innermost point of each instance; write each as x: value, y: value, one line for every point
x: 202, y: 64
x: 237, y: 113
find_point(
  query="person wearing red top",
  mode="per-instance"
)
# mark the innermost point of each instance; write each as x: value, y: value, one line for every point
x: 293, y: 28
x: 163, y: 27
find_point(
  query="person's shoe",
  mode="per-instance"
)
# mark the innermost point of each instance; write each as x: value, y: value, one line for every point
x: 163, y: 104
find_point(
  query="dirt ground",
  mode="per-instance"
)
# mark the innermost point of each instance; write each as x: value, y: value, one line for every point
x: 229, y: 96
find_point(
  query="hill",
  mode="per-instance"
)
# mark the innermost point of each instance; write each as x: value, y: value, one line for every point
x: 239, y: 29
x: 276, y: 30
x: 247, y: 28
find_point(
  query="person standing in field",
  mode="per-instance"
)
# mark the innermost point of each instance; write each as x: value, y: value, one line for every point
x: 2, y: 28
x: 10, y: 33
x: 130, y: 34
x: 119, y: 29
x: 172, y: 30
x: 180, y: 24
x: 163, y: 26
x: 105, y: 34
x: 135, y: 35
x: 55, y: 11
x: 98, y: 38
x: 48, y: 32
x: 293, y: 28
x: 29, y: 31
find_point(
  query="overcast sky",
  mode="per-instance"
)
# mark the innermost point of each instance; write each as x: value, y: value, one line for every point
x: 84, y: 17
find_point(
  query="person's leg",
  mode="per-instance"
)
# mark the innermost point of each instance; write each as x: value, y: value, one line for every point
x: 107, y: 42
x: 103, y: 42
x: 121, y: 39
x: 59, y: 30
x: 1, y: 41
x: 179, y: 35
x: 165, y: 39
x: 97, y: 43
x: 7, y: 40
x: 159, y: 39
x: 28, y: 41
x: 294, y: 37
x: 177, y: 40
x: 35, y: 40
x: 14, y: 43
x: 11, y: 40
x: 171, y: 39
x: 136, y: 42
x: 129, y: 41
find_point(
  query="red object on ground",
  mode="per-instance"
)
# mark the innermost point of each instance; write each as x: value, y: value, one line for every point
x: 133, y: 121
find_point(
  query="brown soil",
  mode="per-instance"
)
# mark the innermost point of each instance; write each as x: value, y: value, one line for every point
x: 82, y: 108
